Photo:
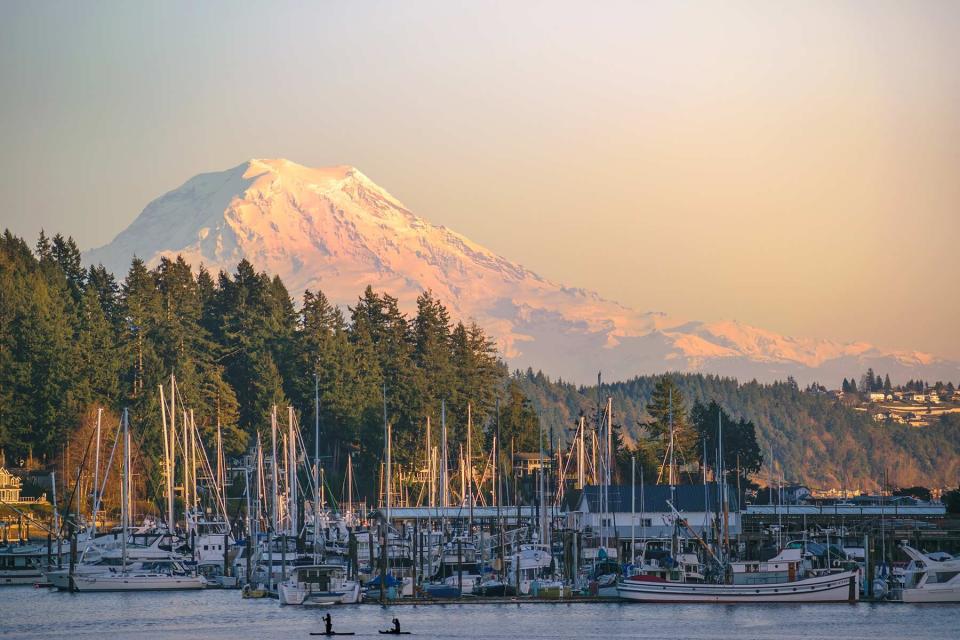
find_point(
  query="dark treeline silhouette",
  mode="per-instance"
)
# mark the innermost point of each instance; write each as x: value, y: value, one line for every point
x: 815, y: 439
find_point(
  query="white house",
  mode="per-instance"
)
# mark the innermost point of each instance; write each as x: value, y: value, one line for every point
x: 9, y: 487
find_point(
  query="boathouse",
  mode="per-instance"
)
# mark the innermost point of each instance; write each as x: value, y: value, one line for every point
x: 651, y: 515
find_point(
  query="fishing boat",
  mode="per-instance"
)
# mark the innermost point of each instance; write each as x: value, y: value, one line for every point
x: 930, y: 577
x: 532, y: 562
x: 319, y: 584
x: 275, y: 561
x: 784, y: 578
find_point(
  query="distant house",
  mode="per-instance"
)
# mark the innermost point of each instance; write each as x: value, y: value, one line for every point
x: 933, y: 397
x: 526, y: 464
x: 796, y: 494
x: 10, y: 486
x: 919, y: 397
x: 876, y: 396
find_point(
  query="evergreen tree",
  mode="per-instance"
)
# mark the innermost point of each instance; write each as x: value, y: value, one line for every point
x: 67, y: 257
x: 519, y: 423
x: 668, y: 411
x: 99, y: 359
x: 326, y: 354
x: 740, y: 448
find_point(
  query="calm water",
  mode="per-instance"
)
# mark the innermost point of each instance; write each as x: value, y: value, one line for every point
x: 34, y: 613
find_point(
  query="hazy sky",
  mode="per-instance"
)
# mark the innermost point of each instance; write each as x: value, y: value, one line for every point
x: 791, y: 165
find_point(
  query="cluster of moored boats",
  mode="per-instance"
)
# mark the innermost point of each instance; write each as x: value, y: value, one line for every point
x: 291, y: 545
x: 346, y: 565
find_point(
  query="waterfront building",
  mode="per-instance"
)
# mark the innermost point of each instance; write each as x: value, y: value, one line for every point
x: 10, y: 486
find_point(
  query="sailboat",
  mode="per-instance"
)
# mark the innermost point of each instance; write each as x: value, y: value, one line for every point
x: 151, y: 575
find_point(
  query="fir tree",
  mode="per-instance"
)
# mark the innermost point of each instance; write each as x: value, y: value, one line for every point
x: 667, y: 408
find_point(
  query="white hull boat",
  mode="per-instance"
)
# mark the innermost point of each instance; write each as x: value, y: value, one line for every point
x: 788, y: 577
x: 834, y: 587
x: 929, y: 579
x: 137, y: 582
x: 318, y: 585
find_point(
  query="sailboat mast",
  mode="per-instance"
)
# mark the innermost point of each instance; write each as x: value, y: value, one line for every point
x: 429, y: 452
x: 389, y: 473
x: 186, y: 476
x: 125, y: 488
x: 221, y: 472
x: 386, y: 439
x: 171, y: 462
x: 349, y: 482
x: 193, y: 460
x: 273, y: 468
x: 723, y: 484
x: 166, y: 458
x: 543, y: 511
x: 444, y: 480
x: 292, y: 471
x: 470, y: 467
x: 633, y: 507
x: 609, y: 444
x: 316, y: 463
x: 581, y: 478
x: 96, y: 472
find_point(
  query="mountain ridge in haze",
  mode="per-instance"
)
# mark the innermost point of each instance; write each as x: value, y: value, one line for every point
x: 333, y: 229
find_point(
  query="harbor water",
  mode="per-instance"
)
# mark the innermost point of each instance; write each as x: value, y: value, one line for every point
x: 211, y: 615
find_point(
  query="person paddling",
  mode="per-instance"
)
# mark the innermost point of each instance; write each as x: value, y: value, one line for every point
x: 328, y: 621
x: 396, y: 625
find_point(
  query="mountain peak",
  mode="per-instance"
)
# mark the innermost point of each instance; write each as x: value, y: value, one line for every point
x: 334, y: 229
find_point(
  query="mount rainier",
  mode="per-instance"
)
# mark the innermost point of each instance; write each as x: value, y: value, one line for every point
x: 335, y: 230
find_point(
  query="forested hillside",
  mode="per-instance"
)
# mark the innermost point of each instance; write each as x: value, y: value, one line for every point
x: 74, y: 339
x: 814, y: 438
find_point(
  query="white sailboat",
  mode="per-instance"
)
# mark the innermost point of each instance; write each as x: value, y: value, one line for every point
x: 159, y: 575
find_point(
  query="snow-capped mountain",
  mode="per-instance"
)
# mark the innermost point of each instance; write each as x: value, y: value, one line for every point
x: 335, y: 230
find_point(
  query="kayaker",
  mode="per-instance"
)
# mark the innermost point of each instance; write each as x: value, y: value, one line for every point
x: 328, y: 621
x: 396, y: 625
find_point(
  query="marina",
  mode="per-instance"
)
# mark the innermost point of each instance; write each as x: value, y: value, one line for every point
x: 271, y: 530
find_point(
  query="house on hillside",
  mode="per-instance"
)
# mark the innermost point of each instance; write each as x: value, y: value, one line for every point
x: 10, y: 486
x: 527, y: 464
